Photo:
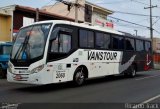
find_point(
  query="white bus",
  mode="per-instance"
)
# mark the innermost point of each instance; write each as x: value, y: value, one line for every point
x: 59, y: 51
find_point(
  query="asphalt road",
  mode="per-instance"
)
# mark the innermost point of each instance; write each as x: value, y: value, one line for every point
x: 144, y: 88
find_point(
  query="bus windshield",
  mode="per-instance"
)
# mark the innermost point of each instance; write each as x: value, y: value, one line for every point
x: 30, y: 42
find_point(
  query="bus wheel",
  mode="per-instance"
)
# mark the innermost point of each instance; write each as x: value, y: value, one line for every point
x: 132, y: 73
x: 79, y: 76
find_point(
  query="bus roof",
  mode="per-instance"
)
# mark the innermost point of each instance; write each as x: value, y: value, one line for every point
x: 136, y: 37
x: 83, y: 25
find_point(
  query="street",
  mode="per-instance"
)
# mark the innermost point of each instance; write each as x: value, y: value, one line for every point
x: 144, y: 88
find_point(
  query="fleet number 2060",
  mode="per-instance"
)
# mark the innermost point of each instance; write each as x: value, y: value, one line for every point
x: 60, y: 75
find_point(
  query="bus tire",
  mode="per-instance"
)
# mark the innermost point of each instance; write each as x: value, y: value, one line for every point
x: 79, y: 76
x: 132, y: 73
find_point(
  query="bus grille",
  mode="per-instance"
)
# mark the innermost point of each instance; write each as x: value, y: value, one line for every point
x: 21, y: 77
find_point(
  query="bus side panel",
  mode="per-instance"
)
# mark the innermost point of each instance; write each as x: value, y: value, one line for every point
x: 128, y: 59
x: 143, y: 61
x: 139, y: 59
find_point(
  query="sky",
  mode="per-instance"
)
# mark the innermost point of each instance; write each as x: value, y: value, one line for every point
x: 126, y: 6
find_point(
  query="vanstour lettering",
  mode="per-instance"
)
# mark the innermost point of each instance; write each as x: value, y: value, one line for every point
x: 102, y: 55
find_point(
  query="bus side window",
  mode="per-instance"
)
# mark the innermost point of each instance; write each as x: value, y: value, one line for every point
x: 90, y: 39
x: 102, y: 41
x: 65, y: 43
x: 86, y: 39
x: 118, y: 42
x: 54, y: 45
x: 129, y: 43
x: 107, y: 41
x: 139, y: 45
x: 99, y: 40
x: 83, y: 40
x: 147, y: 46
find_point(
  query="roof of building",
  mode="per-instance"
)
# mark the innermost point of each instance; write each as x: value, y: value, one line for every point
x: 24, y: 8
x: 102, y: 9
x: 34, y: 10
x: 5, y: 12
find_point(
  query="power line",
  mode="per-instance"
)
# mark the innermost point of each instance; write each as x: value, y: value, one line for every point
x: 130, y: 26
x: 115, y: 2
x: 49, y: 2
x: 158, y: 25
x: 122, y: 1
x: 134, y: 14
x: 129, y: 22
x: 156, y: 21
x: 156, y: 31
x: 140, y: 2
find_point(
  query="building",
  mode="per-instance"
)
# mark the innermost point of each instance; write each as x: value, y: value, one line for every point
x: 5, y: 25
x: 156, y: 50
x: 13, y: 17
x: 156, y: 45
x: 87, y: 13
x: 97, y: 15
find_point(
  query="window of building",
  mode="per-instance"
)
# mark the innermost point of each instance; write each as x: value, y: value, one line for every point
x: 139, y: 45
x: 102, y: 41
x: 86, y: 39
x: 27, y: 21
x: 87, y: 9
x: 118, y: 42
x: 147, y: 46
x: 130, y: 45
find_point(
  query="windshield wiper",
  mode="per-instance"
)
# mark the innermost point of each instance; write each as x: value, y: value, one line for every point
x: 21, y: 48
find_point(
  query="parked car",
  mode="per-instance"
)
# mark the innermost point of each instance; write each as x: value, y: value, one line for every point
x: 5, y: 50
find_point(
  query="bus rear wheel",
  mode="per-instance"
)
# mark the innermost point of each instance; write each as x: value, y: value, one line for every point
x: 132, y: 73
x: 79, y: 77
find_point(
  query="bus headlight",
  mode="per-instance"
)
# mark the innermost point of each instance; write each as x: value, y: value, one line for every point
x: 10, y: 66
x: 9, y: 70
x: 37, y: 69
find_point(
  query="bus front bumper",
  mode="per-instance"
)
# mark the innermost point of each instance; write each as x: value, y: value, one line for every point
x: 27, y: 79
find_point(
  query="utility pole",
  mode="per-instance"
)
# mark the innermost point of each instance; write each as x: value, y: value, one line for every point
x: 76, y: 11
x: 76, y: 5
x: 136, y: 32
x: 151, y: 28
x: 37, y: 14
